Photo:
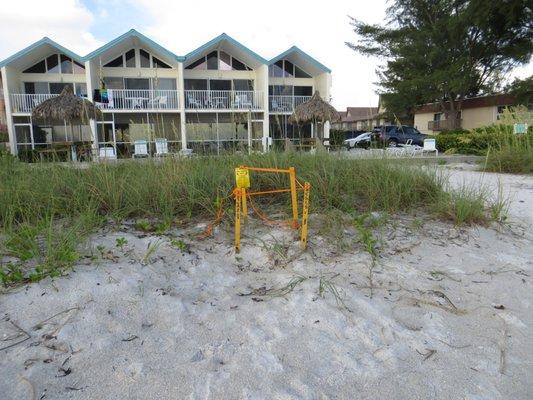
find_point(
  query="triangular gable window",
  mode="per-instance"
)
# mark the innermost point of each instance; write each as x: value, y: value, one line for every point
x: 128, y: 60
x: 218, y: 60
x: 56, y: 64
x: 286, y: 69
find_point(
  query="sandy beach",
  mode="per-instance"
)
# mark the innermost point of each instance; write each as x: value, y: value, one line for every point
x: 445, y: 313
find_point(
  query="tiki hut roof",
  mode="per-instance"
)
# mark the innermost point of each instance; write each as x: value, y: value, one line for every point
x: 315, y: 109
x: 67, y: 107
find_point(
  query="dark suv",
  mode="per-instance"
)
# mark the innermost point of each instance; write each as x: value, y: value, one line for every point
x: 393, y: 135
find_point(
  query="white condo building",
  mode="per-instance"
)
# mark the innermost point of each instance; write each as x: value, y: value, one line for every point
x: 219, y: 97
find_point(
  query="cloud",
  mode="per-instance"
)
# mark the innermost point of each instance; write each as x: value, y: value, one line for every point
x: 68, y: 22
x: 272, y: 27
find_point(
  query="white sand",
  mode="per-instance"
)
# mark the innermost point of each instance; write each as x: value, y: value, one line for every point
x: 176, y: 327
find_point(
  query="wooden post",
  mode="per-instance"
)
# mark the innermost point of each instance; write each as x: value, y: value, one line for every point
x: 305, y: 214
x: 294, y: 198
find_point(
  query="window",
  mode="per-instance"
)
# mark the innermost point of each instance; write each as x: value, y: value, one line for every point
x: 239, y: 66
x: 218, y: 60
x: 243, y: 84
x: 36, y: 88
x: 300, y: 73
x: 288, y: 69
x: 276, y: 70
x: 225, y: 61
x: 437, y: 116
x: 212, y: 60
x: 52, y: 64
x: 159, y: 64
x: 78, y: 68
x: 145, y: 58
x: 164, y: 84
x: 56, y: 64
x: 113, y: 83
x: 303, y: 90
x: 137, y: 83
x: 39, y: 68
x: 285, y: 68
x: 117, y: 62
x: 195, y: 84
x: 66, y: 64
x: 130, y: 59
x: 500, y: 111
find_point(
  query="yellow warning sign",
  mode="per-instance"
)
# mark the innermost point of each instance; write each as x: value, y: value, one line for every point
x: 242, y: 178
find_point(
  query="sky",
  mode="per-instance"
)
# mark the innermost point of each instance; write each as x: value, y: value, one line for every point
x: 320, y: 28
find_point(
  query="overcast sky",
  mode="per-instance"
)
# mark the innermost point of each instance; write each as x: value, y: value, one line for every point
x: 270, y: 27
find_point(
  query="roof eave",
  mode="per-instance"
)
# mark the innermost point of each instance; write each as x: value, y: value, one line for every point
x: 295, y: 49
x: 33, y: 46
x: 196, y: 52
x: 140, y: 36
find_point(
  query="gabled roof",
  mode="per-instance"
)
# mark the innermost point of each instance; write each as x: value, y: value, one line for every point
x: 37, y: 44
x: 307, y: 57
x: 138, y: 35
x: 220, y: 38
x: 360, y: 113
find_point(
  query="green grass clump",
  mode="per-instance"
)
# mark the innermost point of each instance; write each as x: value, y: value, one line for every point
x: 512, y: 154
x: 47, y: 209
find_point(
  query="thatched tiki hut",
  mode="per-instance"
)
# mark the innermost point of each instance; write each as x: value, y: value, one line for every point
x: 315, y: 110
x: 68, y: 109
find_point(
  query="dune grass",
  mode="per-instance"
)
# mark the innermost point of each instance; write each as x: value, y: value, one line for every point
x: 46, y: 210
x: 512, y: 154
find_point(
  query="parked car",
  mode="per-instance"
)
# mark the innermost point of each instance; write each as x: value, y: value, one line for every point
x: 393, y: 135
x: 363, y: 140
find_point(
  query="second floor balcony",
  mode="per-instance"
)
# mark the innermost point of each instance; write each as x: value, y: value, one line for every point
x: 284, y: 104
x: 25, y: 103
x: 137, y: 99
x: 223, y: 100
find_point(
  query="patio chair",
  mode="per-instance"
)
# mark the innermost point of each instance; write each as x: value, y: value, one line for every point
x: 158, y: 102
x: 140, y: 149
x: 161, y: 147
x: 430, y: 145
x: 107, y: 153
x: 193, y: 102
x: 242, y: 101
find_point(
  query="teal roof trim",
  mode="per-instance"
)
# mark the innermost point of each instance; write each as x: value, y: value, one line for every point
x: 37, y: 44
x: 295, y: 49
x: 197, y: 52
x: 140, y: 36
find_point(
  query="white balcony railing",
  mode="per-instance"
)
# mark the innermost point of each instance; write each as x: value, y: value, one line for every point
x: 25, y: 103
x: 137, y: 99
x: 285, y: 104
x: 223, y: 100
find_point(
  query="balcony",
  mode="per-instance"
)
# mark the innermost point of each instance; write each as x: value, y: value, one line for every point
x: 223, y: 100
x: 444, y: 124
x: 285, y: 104
x: 138, y: 100
x: 25, y: 103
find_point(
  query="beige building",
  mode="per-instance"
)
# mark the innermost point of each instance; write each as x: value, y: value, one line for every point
x: 476, y: 112
x: 219, y: 97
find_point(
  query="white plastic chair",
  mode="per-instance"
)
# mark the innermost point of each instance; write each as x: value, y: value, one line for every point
x: 430, y: 145
x: 140, y: 149
x: 161, y: 147
x: 158, y: 102
x: 107, y: 153
x: 192, y: 102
